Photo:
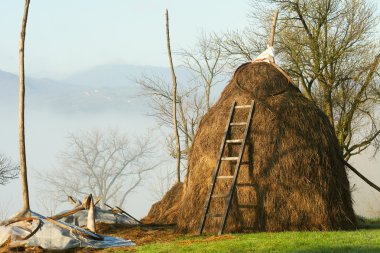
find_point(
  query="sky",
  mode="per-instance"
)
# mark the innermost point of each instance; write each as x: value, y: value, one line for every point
x: 66, y: 37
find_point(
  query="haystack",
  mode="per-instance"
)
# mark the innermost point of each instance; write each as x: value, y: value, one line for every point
x: 165, y: 211
x: 292, y: 177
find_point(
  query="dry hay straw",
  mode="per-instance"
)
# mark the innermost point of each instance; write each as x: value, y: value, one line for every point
x: 165, y: 210
x: 292, y: 178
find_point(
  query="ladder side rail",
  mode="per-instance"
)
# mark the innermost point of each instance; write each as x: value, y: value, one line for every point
x: 237, y: 169
x: 216, y: 171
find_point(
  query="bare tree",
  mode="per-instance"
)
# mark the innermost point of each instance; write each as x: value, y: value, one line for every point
x: 206, y: 64
x: 190, y: 103
x: 174, y: 103
x: 107, y: 164
x: 206, y: 68
x: 8, y: 170
x: 331, y: 50
x: 24, y: 175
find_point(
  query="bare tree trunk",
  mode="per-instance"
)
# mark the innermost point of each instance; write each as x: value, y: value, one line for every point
x: 24, y: 177
x: 208, y: 92
x: 185, y: 127
x: 174, y: 91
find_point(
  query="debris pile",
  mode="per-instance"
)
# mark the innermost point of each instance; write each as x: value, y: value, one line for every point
x: 71, y: 229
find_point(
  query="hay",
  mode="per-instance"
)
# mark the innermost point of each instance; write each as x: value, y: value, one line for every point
x: 165, y: 210
x: 293, y: 178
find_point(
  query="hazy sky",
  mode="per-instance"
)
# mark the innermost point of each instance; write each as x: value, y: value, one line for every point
x: 64, y: 37
x: 71, y: 35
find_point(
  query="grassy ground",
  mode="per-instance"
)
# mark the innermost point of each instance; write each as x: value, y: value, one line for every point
x: 356, y: 241
x: 367, y: 239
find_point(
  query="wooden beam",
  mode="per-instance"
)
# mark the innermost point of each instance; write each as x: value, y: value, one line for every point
x: 377, y: 188
x: 273, y: 30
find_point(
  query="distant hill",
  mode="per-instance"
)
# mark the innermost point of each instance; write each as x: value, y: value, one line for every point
x: 114, y: 75
x: 102, y: 88
x: 35, y: 88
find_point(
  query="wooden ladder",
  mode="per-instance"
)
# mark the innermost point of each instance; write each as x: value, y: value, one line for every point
x: 221, y: 158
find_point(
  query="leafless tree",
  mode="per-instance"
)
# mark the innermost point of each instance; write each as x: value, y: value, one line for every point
x: 174, y: 101
x: 190, y: 103
x: 331, y: 50
x: 105, y: 163
x: 8, y: 170
x: 206, y: 64
x: 24, y: 176
x: 206, y: 68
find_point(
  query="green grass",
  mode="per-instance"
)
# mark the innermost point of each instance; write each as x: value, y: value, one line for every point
x: 353, y: 241
x: 366, y: 239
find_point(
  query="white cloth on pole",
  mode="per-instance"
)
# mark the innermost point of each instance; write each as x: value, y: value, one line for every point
x: 266, y: 56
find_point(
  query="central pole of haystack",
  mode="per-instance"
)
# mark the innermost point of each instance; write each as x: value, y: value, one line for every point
x: 273, y: 30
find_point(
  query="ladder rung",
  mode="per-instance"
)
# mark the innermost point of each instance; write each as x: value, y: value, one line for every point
x: 237, y: 141
x: 216, y: 215
x: 242, y: 106
x: 232, y: 158
x: 225, y: 177
x: 238, y: 123
x: 220, y: 196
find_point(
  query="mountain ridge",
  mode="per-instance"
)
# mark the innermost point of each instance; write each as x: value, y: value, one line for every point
x: 101, y: 88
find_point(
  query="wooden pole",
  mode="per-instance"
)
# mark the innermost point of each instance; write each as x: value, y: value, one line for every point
x: 273, y: 30
x: 377, y: 188
x: 91, y: 216
x: 24, y: 176
x: 174, y: 106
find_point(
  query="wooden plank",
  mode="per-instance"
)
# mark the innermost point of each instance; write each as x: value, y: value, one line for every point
x: 236, y: 141
x: 230, y: 158
x: 220, y: 196
x: 238, y: 123
x: 225, y: 177
x: 128, y: 215
x: 242, y: 106
x: 361, y: 175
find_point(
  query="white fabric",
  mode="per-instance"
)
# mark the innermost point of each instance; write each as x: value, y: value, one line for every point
x: 52, y: 237
x: 101, y: 215
x: 5, y: 233
x: 266, y: 56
